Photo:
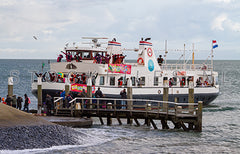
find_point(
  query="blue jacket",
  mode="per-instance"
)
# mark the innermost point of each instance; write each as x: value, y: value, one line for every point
x: 62, y: 95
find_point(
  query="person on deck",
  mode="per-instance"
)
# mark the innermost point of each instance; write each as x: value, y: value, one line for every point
x: 59, y: 59
x: 160, y: 60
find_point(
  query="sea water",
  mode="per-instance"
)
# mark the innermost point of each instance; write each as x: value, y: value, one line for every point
x: 220, y: 131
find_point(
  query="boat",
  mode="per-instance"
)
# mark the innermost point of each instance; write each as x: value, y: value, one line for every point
x: 107, y: 68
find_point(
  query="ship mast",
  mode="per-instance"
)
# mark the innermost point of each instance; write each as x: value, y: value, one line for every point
x: 184, y: 62
x: 212, y: 57
x: 193, y: 55
x: 165, y: 52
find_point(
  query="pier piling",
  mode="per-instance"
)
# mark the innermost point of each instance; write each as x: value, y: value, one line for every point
x: 191, y: 96
x: 181, y: 118
x: 10, y: 86
x: 165, y: 93
x: 39, y: 92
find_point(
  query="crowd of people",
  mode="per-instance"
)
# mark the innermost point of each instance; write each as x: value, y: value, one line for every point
x: 16, y: 102
x: 98, y: 58
x: 202, y: 83
x: 67, y: 98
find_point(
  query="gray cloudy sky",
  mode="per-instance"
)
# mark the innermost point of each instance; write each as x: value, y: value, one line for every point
x: 57, y: 22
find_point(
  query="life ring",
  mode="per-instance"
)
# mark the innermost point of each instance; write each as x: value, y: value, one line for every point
x: 140, y: 61
x: 159, y: 91
x: 149, y: 52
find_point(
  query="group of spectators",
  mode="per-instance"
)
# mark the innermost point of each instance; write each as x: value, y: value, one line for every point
x: 16, y: 102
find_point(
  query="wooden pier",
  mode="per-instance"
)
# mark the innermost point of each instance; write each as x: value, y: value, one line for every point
x: 186, y: 116
x: 182, y: 115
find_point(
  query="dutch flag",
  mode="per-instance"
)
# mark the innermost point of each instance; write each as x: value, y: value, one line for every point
x: 214, y: 44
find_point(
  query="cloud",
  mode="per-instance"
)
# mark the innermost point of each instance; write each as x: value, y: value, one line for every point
x: 234, y: 26
x: 219, y: 1
x: 13, y: 50
x: 217, y: 23
x: 222, y: 22
x: 7, y: 2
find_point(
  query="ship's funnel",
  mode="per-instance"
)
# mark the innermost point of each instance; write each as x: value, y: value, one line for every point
x: 114, y: 47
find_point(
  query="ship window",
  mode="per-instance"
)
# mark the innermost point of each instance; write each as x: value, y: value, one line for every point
x: 174, y: 81
x: 124, y: 80
x: 165, y: 78
x: 112, y: 80
x: 101, y: 80
x: 155, y: 81
x: 86, y: 55
x: 133, y: 80
x: 142, y: 81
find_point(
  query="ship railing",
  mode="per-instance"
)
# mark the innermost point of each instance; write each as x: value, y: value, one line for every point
x: 58, y: 103
x: 205, y: 67
x: 131, y: 105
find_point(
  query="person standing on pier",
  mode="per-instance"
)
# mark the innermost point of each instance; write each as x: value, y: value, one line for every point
x: 62, y: 94
x: 49, y: 104
x: 19, y: 102
x: 99, y: 94
x: 123, y: 96
x: 9, y: 100
x: 14, y: 101
x: 26, y: 103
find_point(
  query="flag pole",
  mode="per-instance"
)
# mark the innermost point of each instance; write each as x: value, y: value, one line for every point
x: 212, y: 56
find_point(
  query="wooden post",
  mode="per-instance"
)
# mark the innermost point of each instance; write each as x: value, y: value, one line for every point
x: 129, y: 94
x: 154, y: 125
x: 119, y: 120
x: 129, y: 120
x: 10, y: 86
x: 135, y: 119
x: 129, y: 103
x: 164, y: 124
x: 101, y: 120
x: 199, y: 117
x: 109, y: 115
x: 109, y: 120
x: 147, y: 121
x: 67, y: 87
x: 191, y: 96
x: 89, y: 90
x: 165, y: 94
x: 39, y: 92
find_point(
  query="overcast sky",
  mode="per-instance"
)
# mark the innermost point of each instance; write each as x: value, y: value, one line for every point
x: 57, y: 22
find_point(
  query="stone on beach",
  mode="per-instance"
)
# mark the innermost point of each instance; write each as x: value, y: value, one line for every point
x: 20, y: 130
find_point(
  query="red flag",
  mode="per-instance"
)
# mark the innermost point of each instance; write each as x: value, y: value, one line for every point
x: 214, y: 41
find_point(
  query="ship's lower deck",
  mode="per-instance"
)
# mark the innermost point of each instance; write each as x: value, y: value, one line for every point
x: 180, y: 98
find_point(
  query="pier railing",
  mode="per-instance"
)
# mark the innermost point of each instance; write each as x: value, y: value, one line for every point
x: 131, y: 105
x: 204, y: 67
x: 177, y: 113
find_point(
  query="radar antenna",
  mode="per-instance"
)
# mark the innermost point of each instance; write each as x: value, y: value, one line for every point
x: 95, y: 41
